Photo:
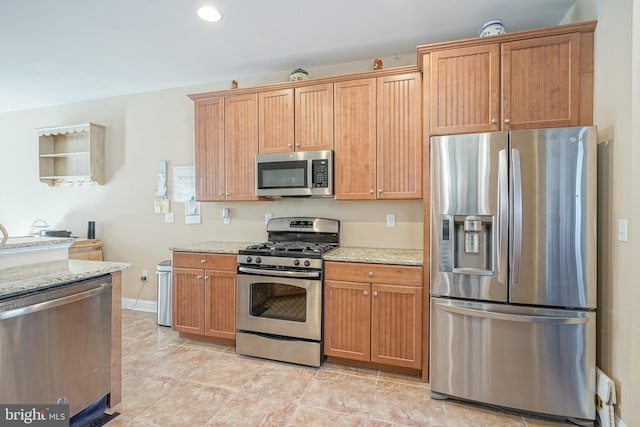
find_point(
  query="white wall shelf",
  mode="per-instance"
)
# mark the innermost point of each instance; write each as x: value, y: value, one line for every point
x: 71, y: 154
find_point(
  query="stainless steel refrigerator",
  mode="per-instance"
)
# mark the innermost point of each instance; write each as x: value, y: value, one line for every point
x: 513, y: 270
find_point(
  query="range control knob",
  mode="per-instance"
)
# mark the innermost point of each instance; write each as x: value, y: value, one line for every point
x: 249, y: 259
x: 307, y: 263
x: 258, y: 260
x: 296, y: 262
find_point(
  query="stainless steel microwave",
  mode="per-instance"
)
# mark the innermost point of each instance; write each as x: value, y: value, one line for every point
x: 300, y: 173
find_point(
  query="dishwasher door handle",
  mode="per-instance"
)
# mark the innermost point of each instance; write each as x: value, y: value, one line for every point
x: 54, y: 302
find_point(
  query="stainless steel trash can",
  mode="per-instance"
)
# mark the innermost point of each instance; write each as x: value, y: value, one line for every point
x: 163, y: 271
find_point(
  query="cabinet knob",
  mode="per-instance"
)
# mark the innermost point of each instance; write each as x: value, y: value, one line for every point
x: 365, y: 293
x: 494, y: 121
x: 202, y: 261
x: 298, y: 145
x: 371, y: 274
x: 507, y: 121
x: 227, y: 194
x: 206, y: 277
x: 371, y: 191
x: 289, y: 145
x: 379, y: 190
x: 220, y: 194
x: 375, y: 293
x: 198, y: 277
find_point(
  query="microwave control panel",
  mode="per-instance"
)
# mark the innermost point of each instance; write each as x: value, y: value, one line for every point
x: 320, y: 172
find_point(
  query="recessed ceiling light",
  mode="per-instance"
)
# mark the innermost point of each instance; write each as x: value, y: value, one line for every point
x: 209, y: 14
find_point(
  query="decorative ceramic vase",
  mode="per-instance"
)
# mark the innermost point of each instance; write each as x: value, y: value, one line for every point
x: 234, y: 84
x: 299, y: 74
x: 377, y: 64
x: 492, y: 28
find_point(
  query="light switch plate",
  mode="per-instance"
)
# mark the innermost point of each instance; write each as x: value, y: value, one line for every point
x: 622, y: 230
x: 391, y: 220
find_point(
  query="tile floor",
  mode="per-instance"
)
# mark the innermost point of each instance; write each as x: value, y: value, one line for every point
x: 170, y: 381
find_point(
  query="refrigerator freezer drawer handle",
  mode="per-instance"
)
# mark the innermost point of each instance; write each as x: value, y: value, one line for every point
x: 513, y: 317
x: 517, y: 216
x: 473, y: 271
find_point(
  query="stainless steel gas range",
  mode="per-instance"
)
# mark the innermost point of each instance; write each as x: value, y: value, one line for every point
x: 279, y: 291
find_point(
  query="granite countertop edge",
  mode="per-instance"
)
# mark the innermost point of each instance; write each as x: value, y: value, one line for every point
x: 376, y: 255
x: 214, y: 247
x: 31, y: 277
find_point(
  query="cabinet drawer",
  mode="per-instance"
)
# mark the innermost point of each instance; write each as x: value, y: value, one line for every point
x: 375, y: 273
x: 205, y: 261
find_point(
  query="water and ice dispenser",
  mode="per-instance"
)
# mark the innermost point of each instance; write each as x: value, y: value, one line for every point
x: 466, y: 244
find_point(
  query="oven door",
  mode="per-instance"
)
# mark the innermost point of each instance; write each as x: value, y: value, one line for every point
x: 285, y: 306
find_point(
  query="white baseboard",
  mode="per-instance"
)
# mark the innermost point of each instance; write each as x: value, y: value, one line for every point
x: 139, y: 305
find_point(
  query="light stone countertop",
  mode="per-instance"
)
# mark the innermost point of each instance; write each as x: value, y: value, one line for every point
x: 214, y: 247
x: 376, y: 255
x: 24, y: 242
x: 32, y: 277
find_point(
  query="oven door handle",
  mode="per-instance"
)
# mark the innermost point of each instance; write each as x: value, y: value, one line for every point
x: 304, y: 274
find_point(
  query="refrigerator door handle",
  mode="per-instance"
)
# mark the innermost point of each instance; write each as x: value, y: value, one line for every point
x: 565, y: 320
x: 517, y: 215
x: 503, y: 212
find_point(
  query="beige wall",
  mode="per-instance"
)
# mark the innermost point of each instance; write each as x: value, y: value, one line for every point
x: 617, y: 115
x: 141, y: 130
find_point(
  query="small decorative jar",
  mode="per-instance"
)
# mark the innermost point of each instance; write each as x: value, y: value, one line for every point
x: 299, y: 74
x: 492, y: 28
x: 234, y: 84
x: 377, y: 64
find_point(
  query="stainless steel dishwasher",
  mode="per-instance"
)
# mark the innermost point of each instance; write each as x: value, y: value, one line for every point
x: 55, y: 345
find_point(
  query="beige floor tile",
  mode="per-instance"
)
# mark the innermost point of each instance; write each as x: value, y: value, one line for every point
x: 187, y: 404
x: 333, y: 391
x: 244, y: 409
x: 283, y: 381
x: 227, y: 370
x: 465, y: 414
x: 407, y: 405
x: 535, y: 421
x: 316, y: 417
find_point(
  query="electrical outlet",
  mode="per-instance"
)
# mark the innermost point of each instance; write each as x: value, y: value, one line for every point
x: 144, y: 275
x: 391, y: 220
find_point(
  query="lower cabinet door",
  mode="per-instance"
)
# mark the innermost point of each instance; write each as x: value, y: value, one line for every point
x: 347, y: 314
x: 220, y: 304
x: 188, y: 295
x: 396, y: 325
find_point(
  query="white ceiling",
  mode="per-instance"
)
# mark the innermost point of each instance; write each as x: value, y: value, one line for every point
x: 64, y: 51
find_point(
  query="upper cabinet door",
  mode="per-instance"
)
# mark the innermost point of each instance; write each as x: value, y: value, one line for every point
x: 541, y: 82
x: 399, y: 137
x: 241, y: 137
x: 314, y: 117
x: 276, y: 121
x: 209, y: 150
x: 464, y: 90
x: 355, y: 139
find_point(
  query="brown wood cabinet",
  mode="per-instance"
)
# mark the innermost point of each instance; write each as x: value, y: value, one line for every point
x: 524, y: 80
x: 296, y: 119
x: 378, y: 138
x: 204, y: 294
x: 225, y: 147
x: 373, y: 313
